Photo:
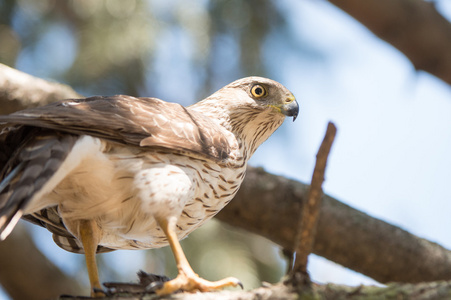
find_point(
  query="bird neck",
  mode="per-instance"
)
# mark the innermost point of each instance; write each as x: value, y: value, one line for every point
x: 253, y: 128
x: 250, y: 127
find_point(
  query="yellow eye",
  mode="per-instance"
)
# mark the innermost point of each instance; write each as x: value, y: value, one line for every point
x: 258, y: 91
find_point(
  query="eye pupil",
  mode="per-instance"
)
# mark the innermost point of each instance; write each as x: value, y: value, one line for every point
x: 258, y: 91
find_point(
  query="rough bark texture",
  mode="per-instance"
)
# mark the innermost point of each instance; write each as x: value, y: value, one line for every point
x: 412, y: 26
x: 26, y: 273
x: 270, y: 205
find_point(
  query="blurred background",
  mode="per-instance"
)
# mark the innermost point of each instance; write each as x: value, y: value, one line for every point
x: 391, y: 155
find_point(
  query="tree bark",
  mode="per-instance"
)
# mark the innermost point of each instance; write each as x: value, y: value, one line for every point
x: 412, y: 26
x: 421, y: 291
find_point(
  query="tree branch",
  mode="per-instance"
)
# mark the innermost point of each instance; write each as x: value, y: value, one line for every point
x: 19, y: 90
x: 412, y: 26
x: 422, y: 291
x: 269, y: 205
x: 311, y: 208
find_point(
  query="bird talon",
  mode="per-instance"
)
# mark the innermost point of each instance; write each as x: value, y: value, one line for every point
x: 195, y: 283
x: 240, y: 285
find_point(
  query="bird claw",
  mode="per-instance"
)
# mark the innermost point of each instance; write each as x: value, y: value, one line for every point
x: 192, y: 284
x: 240, y: 285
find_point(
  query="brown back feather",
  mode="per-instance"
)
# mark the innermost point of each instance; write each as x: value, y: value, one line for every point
x: 145, y: 122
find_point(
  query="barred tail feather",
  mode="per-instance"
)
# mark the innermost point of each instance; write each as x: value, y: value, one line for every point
x: 7, y: 224
x: 27, y: 173
x: 8, y: 216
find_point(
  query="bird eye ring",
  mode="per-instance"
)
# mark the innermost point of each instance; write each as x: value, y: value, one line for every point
x: 258, y: 91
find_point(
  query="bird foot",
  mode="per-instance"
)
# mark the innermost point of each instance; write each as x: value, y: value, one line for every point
x: 194, y: 283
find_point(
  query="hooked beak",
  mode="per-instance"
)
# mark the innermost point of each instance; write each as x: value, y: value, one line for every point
x: 290, y: 108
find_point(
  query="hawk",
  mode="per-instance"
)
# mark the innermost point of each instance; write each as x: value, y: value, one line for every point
x: 119, y: 172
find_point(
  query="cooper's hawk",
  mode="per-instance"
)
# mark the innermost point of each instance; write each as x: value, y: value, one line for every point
x: 107, y: 173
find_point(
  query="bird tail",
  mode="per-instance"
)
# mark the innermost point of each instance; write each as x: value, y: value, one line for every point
x: 9, y: 215
x: 8, y: 222
x: 30, y: 167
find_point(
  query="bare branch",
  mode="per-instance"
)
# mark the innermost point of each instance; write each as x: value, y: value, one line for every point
x: 19, y: 90
x: 421, y: 291
x: 309, y: 220
x: 412, y: 26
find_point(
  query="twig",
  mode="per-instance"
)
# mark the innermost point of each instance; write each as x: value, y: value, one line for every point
x: 310, y: 212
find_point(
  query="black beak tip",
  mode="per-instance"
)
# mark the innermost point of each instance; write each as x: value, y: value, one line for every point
x: 293, y: 110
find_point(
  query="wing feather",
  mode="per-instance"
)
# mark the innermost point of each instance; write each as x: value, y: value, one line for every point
x: 144, y: 122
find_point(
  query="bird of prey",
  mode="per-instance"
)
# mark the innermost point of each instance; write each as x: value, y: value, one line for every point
x: 119, y: 172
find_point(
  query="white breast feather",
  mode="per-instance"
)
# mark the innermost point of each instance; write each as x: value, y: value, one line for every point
x: 123, y: 192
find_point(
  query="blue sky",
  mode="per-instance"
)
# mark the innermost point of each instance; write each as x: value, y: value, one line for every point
x: 391, y: 158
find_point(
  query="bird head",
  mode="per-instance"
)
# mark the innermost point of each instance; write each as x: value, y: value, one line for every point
x: 252, y: 108
x: 261, y: 94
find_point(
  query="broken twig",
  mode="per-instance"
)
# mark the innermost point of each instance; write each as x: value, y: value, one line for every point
x: 310, y: 212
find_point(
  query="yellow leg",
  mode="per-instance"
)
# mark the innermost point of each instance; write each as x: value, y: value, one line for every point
x: 90, y: 235
x: 186, y: 279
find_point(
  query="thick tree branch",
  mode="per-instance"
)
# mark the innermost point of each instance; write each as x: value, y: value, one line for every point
x: 269, y: 205
x: 412, y: 26
x: 19, y: 90
x: 422, y: 291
